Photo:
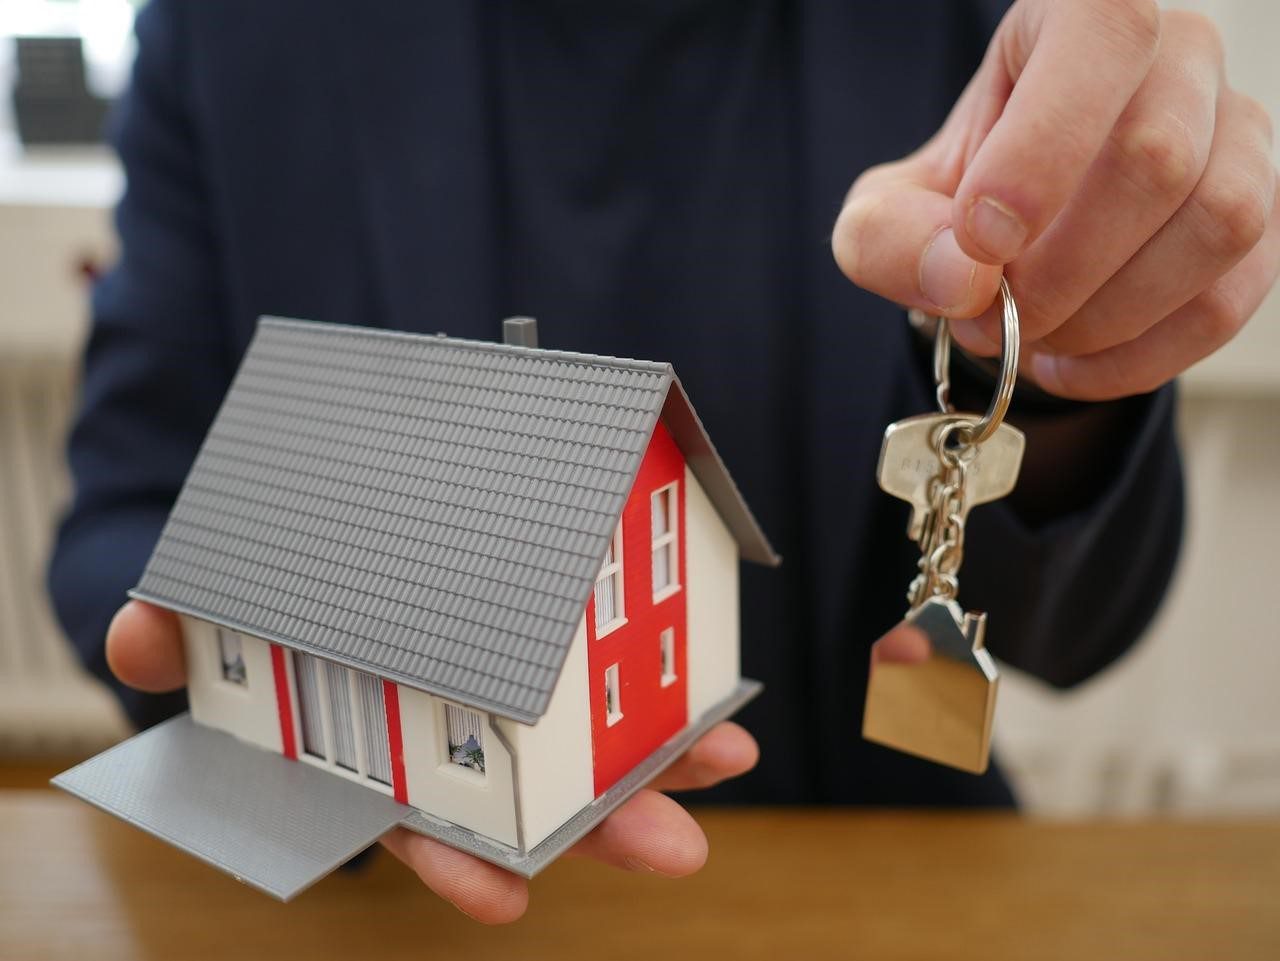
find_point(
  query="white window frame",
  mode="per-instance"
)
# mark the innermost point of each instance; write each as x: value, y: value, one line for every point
x: 221, y: 636
x: 668, y: 542
x: 612, y: 692
x: 667, y: 655
x: 447, y: 764
x: 361, y: 774
x: 612, y: 571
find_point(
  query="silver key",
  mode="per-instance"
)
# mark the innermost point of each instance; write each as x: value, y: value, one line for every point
x: 909, y: 462
x: 932, y: 686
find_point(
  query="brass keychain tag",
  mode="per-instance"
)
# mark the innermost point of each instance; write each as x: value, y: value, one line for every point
x: 932, y: 689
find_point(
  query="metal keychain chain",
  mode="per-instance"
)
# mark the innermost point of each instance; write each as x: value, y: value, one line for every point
x: 932, y: 684
x: 942, y: 548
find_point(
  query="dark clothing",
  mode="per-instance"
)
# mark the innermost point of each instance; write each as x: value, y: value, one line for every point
x: 649, y: 179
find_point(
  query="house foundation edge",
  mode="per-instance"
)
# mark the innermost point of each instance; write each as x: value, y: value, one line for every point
x: 529, y: 863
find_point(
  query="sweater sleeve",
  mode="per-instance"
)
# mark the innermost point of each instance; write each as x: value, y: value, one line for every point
x: 1070, y: 594
x: 156, y: 363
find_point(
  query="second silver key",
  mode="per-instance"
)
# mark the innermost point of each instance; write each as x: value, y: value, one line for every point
x: 909, y: 461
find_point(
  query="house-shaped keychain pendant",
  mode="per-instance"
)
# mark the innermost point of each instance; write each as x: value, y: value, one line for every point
x: 484, y: 591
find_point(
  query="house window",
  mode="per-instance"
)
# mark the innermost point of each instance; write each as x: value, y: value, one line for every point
x: 609, y: 606
x: 612, y: 696
x: 667, y: 655
x: 343, y: 717
x: 465, y: 734
x: 231, y: 655
x: 662, y: 509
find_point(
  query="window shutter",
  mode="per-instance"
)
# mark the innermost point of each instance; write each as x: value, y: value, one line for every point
x: 306, y: 670
x: 373, y: 712
x: 344, y: 735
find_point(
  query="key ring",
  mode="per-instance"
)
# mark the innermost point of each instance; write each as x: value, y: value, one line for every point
x: 1010, y: 344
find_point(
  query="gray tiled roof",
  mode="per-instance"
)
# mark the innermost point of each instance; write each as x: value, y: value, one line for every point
x: 428, y: 509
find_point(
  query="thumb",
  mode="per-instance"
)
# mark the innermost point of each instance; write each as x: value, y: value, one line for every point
x: 144, y: 648
x: 894, y: 237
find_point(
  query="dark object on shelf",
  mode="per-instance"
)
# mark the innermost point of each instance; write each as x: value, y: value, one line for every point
x: 51, y: 103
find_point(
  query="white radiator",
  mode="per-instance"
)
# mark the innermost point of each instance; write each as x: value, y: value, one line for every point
x: 48, y: 705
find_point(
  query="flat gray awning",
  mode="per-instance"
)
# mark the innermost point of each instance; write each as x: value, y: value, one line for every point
x: 277, y: 824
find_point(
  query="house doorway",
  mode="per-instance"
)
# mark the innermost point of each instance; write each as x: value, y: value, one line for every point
x: 343, y: 718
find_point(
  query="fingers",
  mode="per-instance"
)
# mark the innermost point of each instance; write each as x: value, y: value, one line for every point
x: 1145, y: 172
x: 893, y: 238
x: 1103, y: 165
x: 725, y: 751
x: 649, y: 833
x: 1190, y: 333
x: 478, y: 889
x: 1075, y: 66
x: 1223, y: 220
x: 911, y: 233
x: 144, y: 648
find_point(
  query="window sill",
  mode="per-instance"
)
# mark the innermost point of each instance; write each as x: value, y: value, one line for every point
x: 612, y: 719
x: 345, y: 773
x: 609, y: 628
x: 669, y: 591
x: 668, y: 679
x: 466, y: 775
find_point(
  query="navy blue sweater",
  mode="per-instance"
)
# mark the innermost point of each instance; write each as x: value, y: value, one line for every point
x: 650, y: 178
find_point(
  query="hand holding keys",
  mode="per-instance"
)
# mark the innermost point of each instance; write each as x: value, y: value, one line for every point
x: 932, y: 686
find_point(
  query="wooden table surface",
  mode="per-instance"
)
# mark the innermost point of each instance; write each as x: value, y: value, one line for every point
x: 781, y: 884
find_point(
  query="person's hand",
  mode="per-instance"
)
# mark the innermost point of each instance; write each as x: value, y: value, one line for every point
x: 650, y: 833
x: 1098, y: 157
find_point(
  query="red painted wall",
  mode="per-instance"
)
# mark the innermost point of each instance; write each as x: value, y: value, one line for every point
x: 651, y: 713
x: 395, y: 741
x: 284, y: 705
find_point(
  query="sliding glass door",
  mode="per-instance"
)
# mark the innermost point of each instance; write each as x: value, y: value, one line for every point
x: 343, y: 717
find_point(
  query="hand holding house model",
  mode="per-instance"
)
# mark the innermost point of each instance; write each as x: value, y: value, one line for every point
x: 484, y: 591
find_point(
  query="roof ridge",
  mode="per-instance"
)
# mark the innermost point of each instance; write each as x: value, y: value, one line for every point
x: 478, y: 346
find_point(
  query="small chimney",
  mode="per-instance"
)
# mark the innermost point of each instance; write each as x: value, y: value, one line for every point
x: 520, y: 331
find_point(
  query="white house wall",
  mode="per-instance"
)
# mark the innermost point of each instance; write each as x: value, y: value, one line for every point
x: 556, y: 777
x: 711, y: 559
x: 483, y: 803
x: 248, y: 711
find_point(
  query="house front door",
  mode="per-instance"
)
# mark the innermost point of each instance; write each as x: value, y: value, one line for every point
x: 342, y: 715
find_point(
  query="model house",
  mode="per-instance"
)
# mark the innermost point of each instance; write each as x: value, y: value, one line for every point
x: 482, y: 590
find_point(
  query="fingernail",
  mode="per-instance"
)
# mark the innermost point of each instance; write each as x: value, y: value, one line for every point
x: 705, y: 775
x: 973, y: 335
x: 996, y: 229
x: 946, y: 274
x: 1044, y: 369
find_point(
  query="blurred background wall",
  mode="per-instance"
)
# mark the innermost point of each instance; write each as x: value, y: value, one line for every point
x: 1189, y: 722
